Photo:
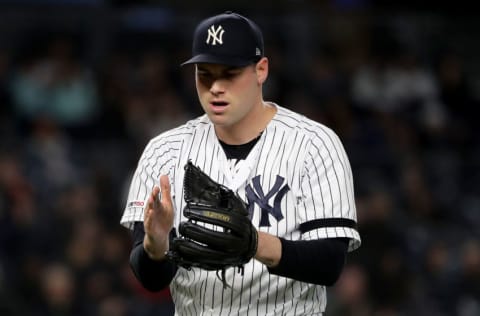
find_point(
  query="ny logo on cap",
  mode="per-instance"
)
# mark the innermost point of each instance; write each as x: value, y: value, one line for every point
x: 215, y: 35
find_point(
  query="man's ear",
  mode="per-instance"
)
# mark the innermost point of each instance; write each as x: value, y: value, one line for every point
x: 261, y: 68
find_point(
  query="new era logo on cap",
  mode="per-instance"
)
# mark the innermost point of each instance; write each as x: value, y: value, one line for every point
x: 228, y: 39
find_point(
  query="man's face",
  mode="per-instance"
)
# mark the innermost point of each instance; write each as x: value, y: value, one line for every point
x: 227, y: 94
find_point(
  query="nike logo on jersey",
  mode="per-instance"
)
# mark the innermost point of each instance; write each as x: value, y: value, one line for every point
x: 257, y: 196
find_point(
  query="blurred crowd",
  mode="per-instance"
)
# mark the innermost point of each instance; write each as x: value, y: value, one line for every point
x: 72, y: 131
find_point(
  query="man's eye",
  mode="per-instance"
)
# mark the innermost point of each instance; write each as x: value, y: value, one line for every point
x: 231, y: 74
x: 226, y: 75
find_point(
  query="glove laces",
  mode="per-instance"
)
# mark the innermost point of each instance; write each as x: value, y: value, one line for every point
x: 222, y: 277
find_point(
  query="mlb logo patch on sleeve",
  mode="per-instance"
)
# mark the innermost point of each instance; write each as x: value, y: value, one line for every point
x: 136, y: 204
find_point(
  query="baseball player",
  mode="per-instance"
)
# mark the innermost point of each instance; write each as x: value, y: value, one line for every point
x: 292, y: 172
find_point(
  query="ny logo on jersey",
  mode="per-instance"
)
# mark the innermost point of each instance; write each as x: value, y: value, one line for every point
x: 256, y: 195
x: 215, y: 35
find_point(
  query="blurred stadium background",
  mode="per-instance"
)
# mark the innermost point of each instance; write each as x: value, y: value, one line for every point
x: 85, y: 83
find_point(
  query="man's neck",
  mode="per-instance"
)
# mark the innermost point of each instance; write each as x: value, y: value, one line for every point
x: 250, y: 128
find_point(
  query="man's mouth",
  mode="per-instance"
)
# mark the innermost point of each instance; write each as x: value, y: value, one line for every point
x: 219, y: 103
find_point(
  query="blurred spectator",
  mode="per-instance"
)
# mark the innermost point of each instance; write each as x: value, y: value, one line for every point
x: 456, y: 93
x: 397, y: 84
x: 113, y: 306
x: 49, y: 159
x: 351, y: 295
x: 57, y: 288
x: 468, y: 298
x: 437, y: 279
x: 383, y: 258
x: 152, y: 106
x: 55, y: 86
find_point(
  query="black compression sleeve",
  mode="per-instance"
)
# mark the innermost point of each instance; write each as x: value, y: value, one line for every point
x: 153, y: 275
x: 313, y: 261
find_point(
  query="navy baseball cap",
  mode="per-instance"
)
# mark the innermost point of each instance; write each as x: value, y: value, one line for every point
x: 227, y: 39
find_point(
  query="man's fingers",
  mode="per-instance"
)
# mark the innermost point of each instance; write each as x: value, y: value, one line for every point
x: 153, y: 203
x: 165, y: 185
x: 155, y: 193
x: 153, y: 198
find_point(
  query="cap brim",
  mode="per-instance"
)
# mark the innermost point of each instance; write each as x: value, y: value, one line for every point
x: 223, y: 60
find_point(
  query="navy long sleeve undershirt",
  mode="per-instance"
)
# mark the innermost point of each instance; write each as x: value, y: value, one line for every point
x: 313, y: 261
x: 317, y: 261
x: 153, y: 275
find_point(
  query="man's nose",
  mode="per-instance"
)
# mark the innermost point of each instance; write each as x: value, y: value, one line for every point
x: 217, y: 87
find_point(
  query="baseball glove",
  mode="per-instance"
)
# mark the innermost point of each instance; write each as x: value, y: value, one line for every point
x: 218, y: 233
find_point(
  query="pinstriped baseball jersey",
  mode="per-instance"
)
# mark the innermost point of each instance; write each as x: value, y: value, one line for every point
x: 298, y: 184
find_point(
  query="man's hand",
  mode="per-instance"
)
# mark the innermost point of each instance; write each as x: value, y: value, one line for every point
x: 158, y: 220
